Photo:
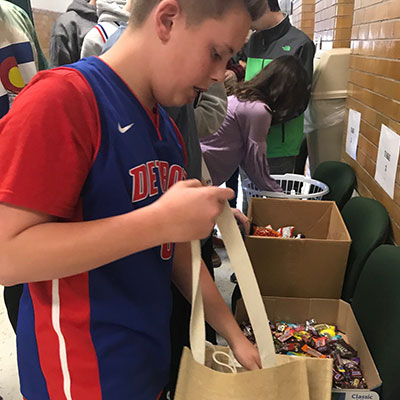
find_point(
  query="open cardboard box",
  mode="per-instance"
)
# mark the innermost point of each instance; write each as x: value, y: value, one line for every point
x: 310, y: 267
x: 333, y: 312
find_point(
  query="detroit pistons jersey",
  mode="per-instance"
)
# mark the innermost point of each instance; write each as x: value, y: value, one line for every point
x: 104, y: 334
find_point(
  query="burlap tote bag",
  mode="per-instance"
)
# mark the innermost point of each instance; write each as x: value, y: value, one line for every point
x: 282, y: 377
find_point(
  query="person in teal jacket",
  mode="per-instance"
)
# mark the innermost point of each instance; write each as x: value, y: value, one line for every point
x: 275, y: 36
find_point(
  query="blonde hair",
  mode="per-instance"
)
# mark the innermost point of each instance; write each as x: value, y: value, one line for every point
x: 198, y: 10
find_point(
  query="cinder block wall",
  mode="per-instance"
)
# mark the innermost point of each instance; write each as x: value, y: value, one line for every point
x: 374, y: 90
x: 333, y: 22
x: 303, y: 16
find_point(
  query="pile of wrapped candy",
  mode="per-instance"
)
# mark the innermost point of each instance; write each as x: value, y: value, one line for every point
x: 288, y: 232
x: 320, y: 341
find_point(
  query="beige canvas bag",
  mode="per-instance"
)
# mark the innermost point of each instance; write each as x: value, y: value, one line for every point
x: 281, y: 377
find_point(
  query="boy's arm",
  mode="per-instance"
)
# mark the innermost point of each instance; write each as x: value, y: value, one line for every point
x: 254, y: 122
x: 92, y: 44
x: 36, y: 247
x: 60, y: 53
x: 210, y: 112
x: 216, y: 311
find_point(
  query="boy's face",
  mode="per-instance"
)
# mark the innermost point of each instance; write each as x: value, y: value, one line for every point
x: 195, y: 56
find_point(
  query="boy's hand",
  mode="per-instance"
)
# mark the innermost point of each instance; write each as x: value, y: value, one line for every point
x: 189, y: 209
x: 242, y: 220
x: 247, y: 354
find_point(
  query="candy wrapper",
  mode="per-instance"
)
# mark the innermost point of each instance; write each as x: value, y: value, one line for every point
x: 320, y: 341
x: 287, y: 232
x: 265, y: 231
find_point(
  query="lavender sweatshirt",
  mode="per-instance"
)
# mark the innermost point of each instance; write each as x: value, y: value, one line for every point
x: 241, y: 141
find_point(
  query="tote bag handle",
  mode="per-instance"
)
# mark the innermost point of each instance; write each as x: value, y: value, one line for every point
x: 248, y: 286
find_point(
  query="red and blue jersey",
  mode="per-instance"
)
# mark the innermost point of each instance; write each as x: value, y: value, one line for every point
x: 103, y: 334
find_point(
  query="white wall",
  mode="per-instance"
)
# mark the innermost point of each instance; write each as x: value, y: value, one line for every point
x: 52, y: 5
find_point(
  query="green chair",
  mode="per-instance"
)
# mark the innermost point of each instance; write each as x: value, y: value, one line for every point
x: 376, y: 305
x: 368, y: 224
x: 340, y: 178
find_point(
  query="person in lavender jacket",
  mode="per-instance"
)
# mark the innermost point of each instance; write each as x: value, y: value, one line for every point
x: 272, y: 96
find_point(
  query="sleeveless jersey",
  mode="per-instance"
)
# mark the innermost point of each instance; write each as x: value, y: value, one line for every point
x: 105, y: 334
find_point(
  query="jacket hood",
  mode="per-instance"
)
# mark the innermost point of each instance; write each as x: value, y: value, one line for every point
x: 83, y: 8
x: 112, y: 11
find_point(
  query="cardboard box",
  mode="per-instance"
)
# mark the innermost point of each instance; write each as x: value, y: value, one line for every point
x: 333, y: 312
x: 310, y: 267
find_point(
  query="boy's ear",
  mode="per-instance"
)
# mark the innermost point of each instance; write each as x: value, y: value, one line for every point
x: 166, y: 14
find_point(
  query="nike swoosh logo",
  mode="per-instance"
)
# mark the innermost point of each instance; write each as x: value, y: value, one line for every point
x: 125, y: 128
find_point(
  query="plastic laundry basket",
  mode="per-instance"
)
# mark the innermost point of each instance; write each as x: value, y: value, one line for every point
x: 293, y: 186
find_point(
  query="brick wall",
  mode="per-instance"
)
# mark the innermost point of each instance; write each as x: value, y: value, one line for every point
x: 333, y: 22
x: 374, y: 88
x: 303, y: 16
x: 44, y: 21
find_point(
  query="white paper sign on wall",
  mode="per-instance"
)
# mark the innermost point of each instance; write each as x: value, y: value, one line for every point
x: 388, y: 158
x: 353, y: 132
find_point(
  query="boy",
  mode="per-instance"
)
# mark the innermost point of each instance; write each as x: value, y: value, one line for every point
x: 87, y: 218
x: 69, y: 30
x: 274, y: 37
x: 112, y: 14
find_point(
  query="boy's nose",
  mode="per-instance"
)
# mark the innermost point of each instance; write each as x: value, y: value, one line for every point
x: 218, y: 74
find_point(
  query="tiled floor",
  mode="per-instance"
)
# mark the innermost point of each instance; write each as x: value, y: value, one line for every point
x: 9, y: 383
